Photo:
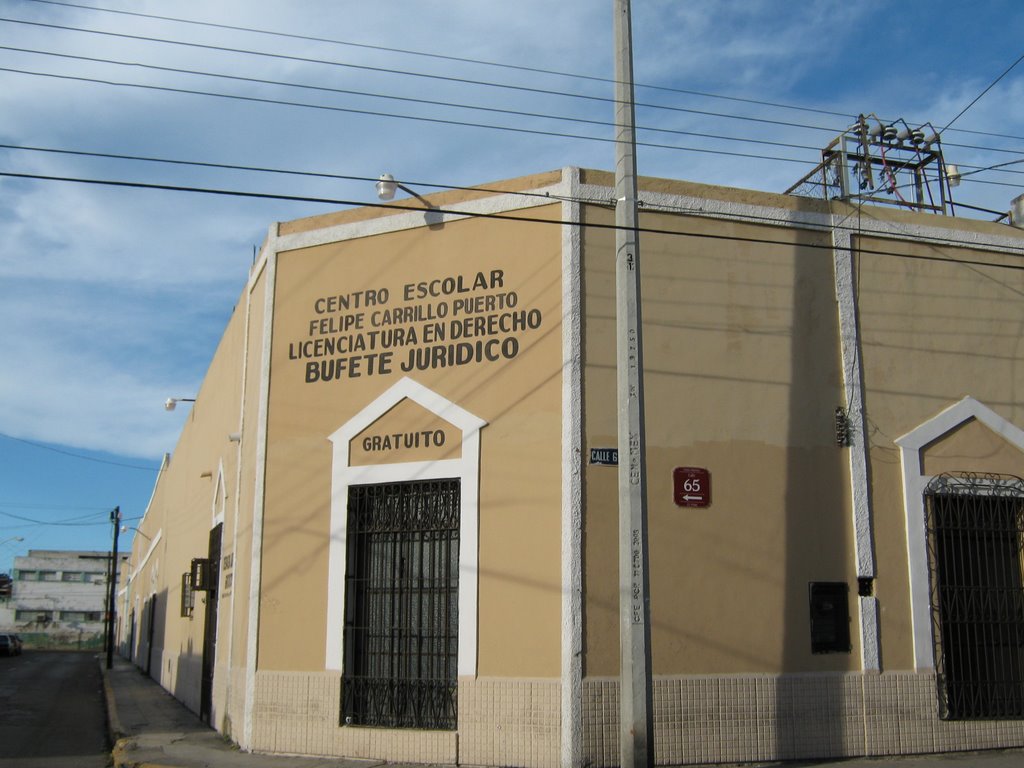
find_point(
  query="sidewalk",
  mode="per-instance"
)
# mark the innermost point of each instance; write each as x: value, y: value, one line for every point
x: 151, y: 729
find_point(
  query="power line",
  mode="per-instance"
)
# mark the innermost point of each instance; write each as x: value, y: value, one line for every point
x: 514, y: 67
x: 417, y: 118
x: 978, y: 97
x: 384, y: 70
x: 56, y: 523
x: 452, y: 105
x: 344, y: 177
x: 442, y: 121
x: 515, y: 218
x: 410, y: 99
x: 445, y: 57
x: 262, y: 169
x: 998, y: 167
x: 72, y: 453
x: 425, y: 184
x: 19, y: 505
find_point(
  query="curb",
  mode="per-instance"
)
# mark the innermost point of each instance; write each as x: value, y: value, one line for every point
x: 114, y: 729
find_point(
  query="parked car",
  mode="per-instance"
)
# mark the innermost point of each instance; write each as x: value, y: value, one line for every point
x: 8, y: 646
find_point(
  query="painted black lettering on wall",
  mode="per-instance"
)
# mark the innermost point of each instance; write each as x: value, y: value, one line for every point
x: 440, y: 322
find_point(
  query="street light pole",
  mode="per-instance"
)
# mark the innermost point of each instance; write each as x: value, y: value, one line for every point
x: 115, y: 518
x: 636, y: 726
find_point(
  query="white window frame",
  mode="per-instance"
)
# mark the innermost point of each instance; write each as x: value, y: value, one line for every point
x: 466, y: 469
x: 915, y: 482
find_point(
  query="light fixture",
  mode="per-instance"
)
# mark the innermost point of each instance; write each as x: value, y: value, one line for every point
x: 172, y: 402
x: 1017, y: 212
x: 126, y: 528
x: 387, y: 186
x: 953, y: 175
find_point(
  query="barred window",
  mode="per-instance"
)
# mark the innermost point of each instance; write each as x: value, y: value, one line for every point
x: 401, y: 605
x: 975, y: 530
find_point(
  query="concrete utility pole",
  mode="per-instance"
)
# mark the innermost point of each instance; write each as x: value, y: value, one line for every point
x: 637, y: 730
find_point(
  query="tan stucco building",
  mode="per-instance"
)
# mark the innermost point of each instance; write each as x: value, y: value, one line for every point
x: 394, y: 483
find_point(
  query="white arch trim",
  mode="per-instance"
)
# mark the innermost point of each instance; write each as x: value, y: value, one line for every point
x: 466, y: 468
x: 220, y: 497
x: 914, y: 484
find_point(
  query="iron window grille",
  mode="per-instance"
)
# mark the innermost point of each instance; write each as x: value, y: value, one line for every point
x: 975, y: 530
x: 401, y: 605
x: 202, y: 575
x: 188, y: 596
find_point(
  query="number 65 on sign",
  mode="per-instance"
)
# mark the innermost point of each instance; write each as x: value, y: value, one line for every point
x: 691, y: 487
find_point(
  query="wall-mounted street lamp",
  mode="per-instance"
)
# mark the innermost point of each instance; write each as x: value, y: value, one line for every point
x: 172, y: 402
x: 386, y: 188
x: 126, y: 528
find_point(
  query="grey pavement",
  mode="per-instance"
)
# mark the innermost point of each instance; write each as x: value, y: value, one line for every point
x: 150, y: 729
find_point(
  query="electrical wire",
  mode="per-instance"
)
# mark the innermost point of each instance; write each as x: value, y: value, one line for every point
x: 58, y: 523
x: 76, y: 455
x: 445, y: 57
x: 978, y: 97
x: 431, y: 185
x: 501, y: 217
x: 500, y: 65
x: 407, y: 99
x: 386, y: 70
x: 19, y: 505
x: 453, y: 105
x: 282, y: 171
x: 417, y: 118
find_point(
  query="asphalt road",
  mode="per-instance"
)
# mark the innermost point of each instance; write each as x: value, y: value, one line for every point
x: 52, y: 712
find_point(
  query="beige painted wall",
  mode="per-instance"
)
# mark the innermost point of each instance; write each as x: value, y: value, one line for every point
x: 406, y: 433
x: 972, y: 447
x: 519, y: 397
x: 179, y: 519
x: 742, y: 377
x: 237, y: 573
x: 934, y: 330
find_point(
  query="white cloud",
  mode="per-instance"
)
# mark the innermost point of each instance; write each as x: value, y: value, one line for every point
x: 113, y: 299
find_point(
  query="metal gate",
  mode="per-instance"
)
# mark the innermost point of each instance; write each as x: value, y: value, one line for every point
x: 210, y: 626
x: 401, y: 605
x: 975, y: 529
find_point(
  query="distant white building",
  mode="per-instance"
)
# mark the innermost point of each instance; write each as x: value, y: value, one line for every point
x: 62, y: 593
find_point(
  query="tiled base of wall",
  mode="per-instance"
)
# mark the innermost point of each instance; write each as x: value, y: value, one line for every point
x: 742, y: 718
x: 501, y: 722
x: 229, y: 712
x: 509, y: 722
x: 761, y: 717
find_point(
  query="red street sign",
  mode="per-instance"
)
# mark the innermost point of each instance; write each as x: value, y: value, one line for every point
x: 691, y: 487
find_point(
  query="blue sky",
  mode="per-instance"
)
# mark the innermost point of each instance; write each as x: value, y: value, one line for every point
x: 113, y: 299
